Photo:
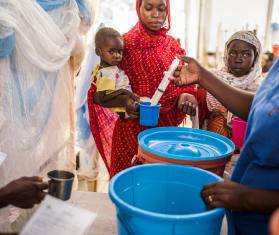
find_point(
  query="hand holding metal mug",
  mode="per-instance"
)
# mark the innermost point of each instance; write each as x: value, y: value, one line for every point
x: 60, y: 184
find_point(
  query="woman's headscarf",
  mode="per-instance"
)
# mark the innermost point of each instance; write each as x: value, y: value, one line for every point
x: 249, y: 82
x: 252, y: 80
x: 147, y: 55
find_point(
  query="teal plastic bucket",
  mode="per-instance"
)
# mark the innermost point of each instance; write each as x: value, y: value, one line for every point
x: 149, y: 114
x: 164, y: 199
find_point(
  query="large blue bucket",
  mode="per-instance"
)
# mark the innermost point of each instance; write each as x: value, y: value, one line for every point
x: 164, y: 199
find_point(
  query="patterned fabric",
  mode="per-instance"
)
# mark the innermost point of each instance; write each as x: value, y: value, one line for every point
x: 202, y: 105
x: 147, y: 55
x: 249, y: 82
x: 217, y: 123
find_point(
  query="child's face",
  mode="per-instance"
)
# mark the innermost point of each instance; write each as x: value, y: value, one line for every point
x: 241, y: 57
x: 111, y: 52
x: 153, y: 14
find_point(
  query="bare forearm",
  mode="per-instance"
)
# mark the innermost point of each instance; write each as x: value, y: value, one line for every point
x: 119, y: 101
x: 235, y: 100
x: 110, y: 100
x: 109, y: 95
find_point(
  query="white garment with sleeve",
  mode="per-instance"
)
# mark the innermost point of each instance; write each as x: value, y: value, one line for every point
x: 116, y: 74
x: 36, y: 89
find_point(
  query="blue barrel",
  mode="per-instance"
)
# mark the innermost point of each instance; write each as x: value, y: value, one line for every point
x: 164, y: 199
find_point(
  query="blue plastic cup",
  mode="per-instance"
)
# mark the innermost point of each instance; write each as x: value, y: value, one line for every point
x: 149, y: 114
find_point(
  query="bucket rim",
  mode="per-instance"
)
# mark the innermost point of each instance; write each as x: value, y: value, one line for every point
x: 228, y: 142
x: 154, y: 215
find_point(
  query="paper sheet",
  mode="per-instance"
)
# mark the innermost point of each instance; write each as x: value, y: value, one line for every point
x: 58, y: 217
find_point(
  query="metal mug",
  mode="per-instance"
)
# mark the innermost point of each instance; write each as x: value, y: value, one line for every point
x: 60, y: 184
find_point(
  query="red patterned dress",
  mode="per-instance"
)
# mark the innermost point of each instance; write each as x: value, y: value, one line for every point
x: 147, y: 55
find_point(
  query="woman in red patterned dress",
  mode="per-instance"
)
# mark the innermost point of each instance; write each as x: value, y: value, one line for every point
x: 148, y: 53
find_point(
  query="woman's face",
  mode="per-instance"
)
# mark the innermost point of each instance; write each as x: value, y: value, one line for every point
x: 153, y: 14
x: 241, y: 57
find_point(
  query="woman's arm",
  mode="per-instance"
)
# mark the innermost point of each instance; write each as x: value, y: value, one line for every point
x: 237, y: 197
x: 235, y: 100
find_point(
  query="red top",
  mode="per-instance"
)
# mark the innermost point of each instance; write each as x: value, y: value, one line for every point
x: 147, y: 55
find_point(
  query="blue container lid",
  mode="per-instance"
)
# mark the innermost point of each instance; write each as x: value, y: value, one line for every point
x: 187, y: 144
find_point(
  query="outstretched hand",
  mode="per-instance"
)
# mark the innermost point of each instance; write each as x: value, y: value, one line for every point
x: 189, y: 73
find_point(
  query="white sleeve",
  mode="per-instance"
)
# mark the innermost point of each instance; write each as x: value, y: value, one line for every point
x: 123, y: 81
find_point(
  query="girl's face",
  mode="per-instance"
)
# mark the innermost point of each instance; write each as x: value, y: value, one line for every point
x: 241, y: 57
x: 153, y: 14
x: 111, y: 52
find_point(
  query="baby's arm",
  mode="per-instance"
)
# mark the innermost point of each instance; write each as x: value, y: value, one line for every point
x: 111, y: 99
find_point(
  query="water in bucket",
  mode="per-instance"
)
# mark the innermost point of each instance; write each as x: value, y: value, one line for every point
x: 164, y: 199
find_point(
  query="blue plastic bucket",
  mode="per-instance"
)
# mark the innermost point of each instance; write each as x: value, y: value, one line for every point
x: 149, y: 114
x: 164, y: 199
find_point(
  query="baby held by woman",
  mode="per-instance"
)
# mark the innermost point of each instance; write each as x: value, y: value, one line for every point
x: 113, y: 88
